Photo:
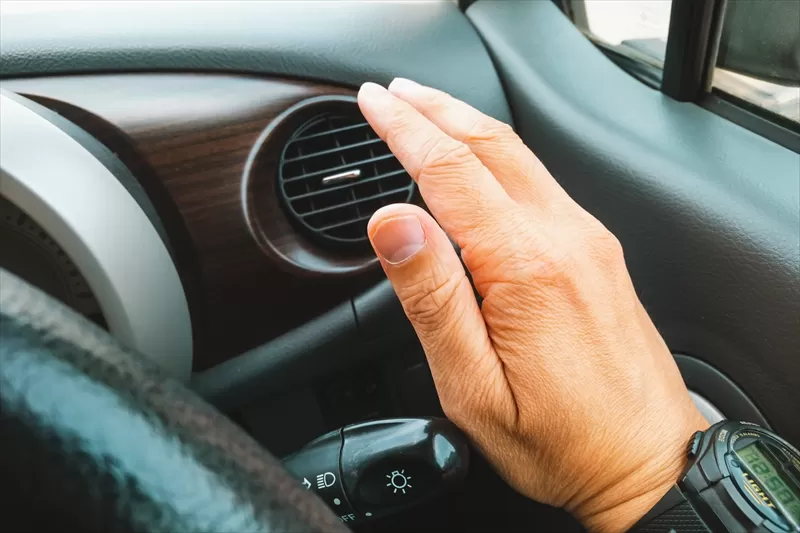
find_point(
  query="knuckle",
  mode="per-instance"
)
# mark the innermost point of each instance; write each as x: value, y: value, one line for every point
x: 428, y: 303
x: 605, y: 246
x: 488, y: 129
x: 541, y: 257
x: 518, y: 255
x: 444, y: 157
x: 556, y: 265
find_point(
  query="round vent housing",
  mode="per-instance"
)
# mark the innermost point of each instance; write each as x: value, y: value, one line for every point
x: 335, y: 172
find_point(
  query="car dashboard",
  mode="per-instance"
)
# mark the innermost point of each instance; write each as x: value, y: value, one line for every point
x: 248, y: 175
x: 237, y: 137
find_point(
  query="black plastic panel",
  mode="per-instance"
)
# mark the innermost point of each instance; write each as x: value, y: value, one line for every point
x: 319, y: 347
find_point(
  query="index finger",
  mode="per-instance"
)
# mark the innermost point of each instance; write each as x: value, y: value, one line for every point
x: 517, y: 169
x: 459, y: 190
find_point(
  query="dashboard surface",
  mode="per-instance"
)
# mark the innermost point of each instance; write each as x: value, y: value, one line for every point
x: 187, y: 123
x: 183, y: 96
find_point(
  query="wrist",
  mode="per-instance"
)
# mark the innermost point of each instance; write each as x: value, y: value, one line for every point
x: 623, y: 515
x: 621, y: 504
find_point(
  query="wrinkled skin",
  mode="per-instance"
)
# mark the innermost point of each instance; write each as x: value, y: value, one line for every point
x: 560, y: 377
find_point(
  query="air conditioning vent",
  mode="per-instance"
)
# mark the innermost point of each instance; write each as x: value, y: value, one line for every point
x: 335, y: 172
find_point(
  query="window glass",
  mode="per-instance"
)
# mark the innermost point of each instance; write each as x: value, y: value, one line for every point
x: 783, y: 100
x: 635, y: 28
x: 8, y: 7
x: 759, y: 55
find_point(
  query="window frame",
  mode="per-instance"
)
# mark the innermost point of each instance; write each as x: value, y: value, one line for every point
x: 776, y: 128
x: 695, y: 31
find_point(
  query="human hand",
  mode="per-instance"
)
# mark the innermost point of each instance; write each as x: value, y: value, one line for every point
x: 560, y: 377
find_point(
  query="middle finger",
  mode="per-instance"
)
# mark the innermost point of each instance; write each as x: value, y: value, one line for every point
x: 459, y: 190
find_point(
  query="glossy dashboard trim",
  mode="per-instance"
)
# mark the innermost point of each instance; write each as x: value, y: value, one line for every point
x: 187, y: 139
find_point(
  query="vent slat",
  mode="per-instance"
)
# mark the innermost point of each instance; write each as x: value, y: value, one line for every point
x: 330, y: 132
x: 329, y: 188
x: 330, y: 144
x: 339, y: 168
x: 333, y: 150
x: 351, y: 203
x: 346, y: 223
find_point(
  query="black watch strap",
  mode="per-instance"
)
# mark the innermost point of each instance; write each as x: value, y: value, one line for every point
x: 673, y: 513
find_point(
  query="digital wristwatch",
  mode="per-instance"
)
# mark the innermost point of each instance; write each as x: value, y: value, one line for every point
x: 740, y: 477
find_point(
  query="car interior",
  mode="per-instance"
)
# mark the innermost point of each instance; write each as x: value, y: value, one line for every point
x: 194, y: 179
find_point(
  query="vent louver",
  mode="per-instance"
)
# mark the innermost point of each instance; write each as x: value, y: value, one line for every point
x: 335, y: 172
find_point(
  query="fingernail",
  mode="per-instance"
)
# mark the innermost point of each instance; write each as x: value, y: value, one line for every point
x: 369, y: 88
x: 372, y: 94
x: 375, y: 102
x: 398, y: 239
x: 401, y: 86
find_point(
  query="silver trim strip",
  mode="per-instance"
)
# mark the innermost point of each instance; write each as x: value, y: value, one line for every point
x: 76, y: 199
x: 706, y: 408
x: 342, y: 176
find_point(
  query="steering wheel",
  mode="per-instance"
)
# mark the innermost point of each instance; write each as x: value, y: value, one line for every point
x: 97, y: 438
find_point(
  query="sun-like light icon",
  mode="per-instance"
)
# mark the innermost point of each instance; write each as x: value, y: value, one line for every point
x: 399, y: 481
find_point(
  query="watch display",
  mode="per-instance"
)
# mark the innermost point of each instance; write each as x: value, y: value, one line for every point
x: 770, y: 479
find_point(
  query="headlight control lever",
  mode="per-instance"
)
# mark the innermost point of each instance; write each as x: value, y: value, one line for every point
x: 377, y: 468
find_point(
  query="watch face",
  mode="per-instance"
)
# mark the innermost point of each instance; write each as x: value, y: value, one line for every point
x: 766, y: 470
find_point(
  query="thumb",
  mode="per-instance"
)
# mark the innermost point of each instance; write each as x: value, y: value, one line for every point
x: 430, y: 281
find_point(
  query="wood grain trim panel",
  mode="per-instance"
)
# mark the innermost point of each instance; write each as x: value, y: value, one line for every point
x: 187, y: 138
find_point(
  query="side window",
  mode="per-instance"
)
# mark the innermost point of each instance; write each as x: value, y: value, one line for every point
x: 737, y: 58
x: 633, y: 33
x: 759, y: 55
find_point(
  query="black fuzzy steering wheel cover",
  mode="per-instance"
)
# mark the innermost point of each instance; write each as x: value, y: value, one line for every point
x: 95, y: 438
